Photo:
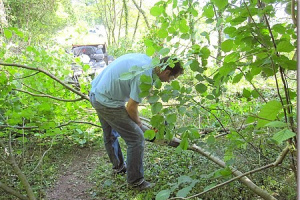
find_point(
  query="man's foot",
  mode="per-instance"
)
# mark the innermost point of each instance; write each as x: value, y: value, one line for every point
x: 121, y: 171
x: 143, y: 186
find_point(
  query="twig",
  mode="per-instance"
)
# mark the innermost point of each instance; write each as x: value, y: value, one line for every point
x: 43, y: 155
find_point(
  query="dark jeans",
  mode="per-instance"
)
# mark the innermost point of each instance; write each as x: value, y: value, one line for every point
x: 115, y: 122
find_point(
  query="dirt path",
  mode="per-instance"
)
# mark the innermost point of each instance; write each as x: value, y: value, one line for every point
x: 73, y: 183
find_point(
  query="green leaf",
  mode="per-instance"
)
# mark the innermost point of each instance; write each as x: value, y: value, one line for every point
x: 156, y: 11
x: 146, y: 79
x: 149, y: 134
x: 285, y: 46
x: 276, y: 124
x: 163, y: 195
x: 279, y: 28
x: 153, y: 99
x: 126, y: 76
x: 162, y: 33
x: 150, y: 50
x: 220, y: 3
x: 7, y: 33
x: 194, y: 65
x: 283, y: 135
x: 237, y: 78
x: 156, y: 108
x: 227, y: 45
x: 184, y: 191
x: 184, y: 144
x: 268, y: 112
x: 201, y: 88
x: 175, y: 85
x: 208, y: 11
x: 164, y: 51
x: 145, y: 87
x: 183, y: 27
x: 171, y: 118
x: 205, y: 52
x: 246, y: 93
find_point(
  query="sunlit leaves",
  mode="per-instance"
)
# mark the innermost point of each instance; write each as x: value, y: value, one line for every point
x: 149, y: 134
x: 156, y: 108
x: 183, y: 27
x: 208, y: 11
x: 220, y: 3
x: 156, y: 10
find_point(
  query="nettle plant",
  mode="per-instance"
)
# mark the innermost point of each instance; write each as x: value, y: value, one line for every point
x: 255, y: 55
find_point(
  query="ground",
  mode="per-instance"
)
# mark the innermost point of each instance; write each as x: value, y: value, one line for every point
x: 73, y: 183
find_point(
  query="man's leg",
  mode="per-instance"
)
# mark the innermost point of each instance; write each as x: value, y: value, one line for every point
x: 112, y: 146
x: 110, y: 138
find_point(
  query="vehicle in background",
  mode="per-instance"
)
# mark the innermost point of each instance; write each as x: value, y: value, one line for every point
x: 94, y: 55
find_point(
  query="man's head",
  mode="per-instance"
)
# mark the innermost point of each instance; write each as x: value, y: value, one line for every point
x: 171, y: 71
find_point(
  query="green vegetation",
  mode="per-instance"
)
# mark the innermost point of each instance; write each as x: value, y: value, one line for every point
x: 233, y: 110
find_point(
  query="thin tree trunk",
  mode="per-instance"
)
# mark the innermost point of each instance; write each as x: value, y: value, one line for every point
x: 142, y: 12
x: 136, y: 23
x: 126, y: 17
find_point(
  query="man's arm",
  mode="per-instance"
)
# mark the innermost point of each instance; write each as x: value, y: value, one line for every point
x: 132, y: 110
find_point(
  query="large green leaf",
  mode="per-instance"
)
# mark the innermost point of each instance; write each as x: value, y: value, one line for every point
x: 149, y: 134
x: 268, y: 112
x: 171, y: 118
x: 283, y: 135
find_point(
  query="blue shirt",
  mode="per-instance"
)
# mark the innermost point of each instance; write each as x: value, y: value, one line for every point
x: 113, y: 92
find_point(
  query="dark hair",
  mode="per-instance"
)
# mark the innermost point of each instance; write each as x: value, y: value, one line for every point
x: 176, y: 70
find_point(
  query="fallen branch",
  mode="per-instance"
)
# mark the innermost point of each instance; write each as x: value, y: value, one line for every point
x: 245, y: 180
x: 83, y: 96
x: 12, y: 191
x: 276, y: 163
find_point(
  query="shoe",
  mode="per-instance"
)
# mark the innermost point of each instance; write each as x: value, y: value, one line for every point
x: 143, y: 186
x: 121, y: 171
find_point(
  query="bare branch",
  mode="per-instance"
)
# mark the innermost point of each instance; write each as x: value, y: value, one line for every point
x: 79, y: 122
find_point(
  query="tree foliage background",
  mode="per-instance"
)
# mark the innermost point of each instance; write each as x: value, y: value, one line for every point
x: 238, y: 91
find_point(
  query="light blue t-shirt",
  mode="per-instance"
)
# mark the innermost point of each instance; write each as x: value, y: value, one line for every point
x: 112, y: 92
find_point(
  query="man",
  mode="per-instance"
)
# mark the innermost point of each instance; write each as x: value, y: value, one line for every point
x: 108, y: 96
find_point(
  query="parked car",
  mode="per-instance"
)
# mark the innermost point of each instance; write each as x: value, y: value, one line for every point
x: 94, y: 55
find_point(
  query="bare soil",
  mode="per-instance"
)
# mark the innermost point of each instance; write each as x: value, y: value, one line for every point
x: 73, y: 183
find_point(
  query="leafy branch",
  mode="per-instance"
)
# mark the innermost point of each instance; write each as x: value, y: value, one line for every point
x: 83, y: 96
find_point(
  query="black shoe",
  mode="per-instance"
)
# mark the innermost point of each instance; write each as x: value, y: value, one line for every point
x: 143, y: 186
x: 121, y: 171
